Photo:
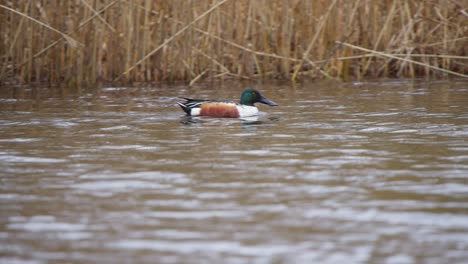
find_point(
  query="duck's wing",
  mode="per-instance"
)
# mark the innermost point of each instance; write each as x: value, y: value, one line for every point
x: 190, y: 104
x: 191, y: 100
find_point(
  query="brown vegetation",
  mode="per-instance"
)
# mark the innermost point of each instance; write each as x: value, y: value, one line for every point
x: 84, y: 41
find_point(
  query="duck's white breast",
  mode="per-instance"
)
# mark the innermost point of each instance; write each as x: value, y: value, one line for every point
x: 245, y: 110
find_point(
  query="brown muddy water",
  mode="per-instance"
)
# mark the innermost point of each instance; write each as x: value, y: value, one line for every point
x: 369, y: 172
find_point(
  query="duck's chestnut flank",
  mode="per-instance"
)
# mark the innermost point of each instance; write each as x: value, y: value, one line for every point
x: 219, y: 110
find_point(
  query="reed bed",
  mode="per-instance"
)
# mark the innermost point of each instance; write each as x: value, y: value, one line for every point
x: 85, y: 41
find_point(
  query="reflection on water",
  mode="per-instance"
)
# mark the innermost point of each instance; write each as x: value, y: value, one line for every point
x: 372, y: 172
x: 245, y: 121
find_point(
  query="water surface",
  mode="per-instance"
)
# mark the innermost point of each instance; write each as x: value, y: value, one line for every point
x: 370, y: 172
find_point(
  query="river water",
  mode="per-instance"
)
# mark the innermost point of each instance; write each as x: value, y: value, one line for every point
x: 363, y: 172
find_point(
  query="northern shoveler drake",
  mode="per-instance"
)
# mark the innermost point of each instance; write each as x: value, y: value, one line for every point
x: 246, y: 108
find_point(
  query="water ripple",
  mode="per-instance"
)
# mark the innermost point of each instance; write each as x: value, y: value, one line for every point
x: 370, y: 172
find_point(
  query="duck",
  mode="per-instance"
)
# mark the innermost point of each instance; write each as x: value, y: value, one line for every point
x: 226, y: 109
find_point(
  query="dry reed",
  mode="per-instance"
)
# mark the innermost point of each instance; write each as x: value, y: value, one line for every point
x: 85, y: 41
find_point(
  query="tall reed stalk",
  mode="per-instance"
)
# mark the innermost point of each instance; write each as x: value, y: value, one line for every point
x: 85, y: 41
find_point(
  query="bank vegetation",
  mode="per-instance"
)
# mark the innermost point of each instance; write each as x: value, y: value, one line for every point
x: 79, y: 42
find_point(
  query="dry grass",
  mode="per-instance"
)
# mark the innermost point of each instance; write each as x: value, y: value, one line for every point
x: 84, y: 41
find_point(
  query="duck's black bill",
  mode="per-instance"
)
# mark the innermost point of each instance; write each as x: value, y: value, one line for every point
x: 267, y: 101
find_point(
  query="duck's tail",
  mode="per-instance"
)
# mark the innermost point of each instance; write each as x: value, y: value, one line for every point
x: 190, y: 104
x: 184, y: 107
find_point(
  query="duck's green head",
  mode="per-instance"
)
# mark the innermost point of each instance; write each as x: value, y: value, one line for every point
x: 251, y: 96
